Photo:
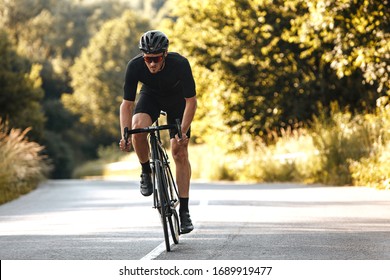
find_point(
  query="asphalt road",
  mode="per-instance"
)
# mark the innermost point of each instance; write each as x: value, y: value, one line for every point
x: 101, y: 220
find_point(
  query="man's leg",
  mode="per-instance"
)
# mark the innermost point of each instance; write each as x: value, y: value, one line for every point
x: 183, y: 177
x: 141, y: 147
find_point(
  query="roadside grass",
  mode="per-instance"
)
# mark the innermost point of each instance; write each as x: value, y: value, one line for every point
x: 112, y: 163
x: 373, y: 169
x: 22, y: 166
x: 340, y: 150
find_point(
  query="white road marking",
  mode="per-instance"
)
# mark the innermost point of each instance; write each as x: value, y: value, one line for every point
x: 155, y: 252
x: 161, y: 247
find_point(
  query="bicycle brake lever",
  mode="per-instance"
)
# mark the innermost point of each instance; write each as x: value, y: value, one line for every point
x: 126, y: 135
x: 178, y: 128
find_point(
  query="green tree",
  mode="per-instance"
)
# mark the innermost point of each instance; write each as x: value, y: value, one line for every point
x: 97, y: 75
x: 254, y: 69
x: 269, y: 62
x: 57, y: 29
x: 353, y: 36
x: 57, y: 32
x: 21, y: 92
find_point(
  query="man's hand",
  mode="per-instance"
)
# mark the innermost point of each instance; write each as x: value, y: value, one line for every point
x: 125, y: 147
x: 183, y: 141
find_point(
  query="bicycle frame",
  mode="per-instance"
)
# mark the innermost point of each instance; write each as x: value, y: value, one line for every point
x: 165, y: 194
x: 160, y: 160
x: 163, y: 160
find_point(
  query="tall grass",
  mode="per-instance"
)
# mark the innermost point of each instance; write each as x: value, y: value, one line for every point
x: 374, y: 169
x: 22, y: 166
x: 342, y: 149
x: 340, y: 140
x: 292, y: 158
x: 354, y: 150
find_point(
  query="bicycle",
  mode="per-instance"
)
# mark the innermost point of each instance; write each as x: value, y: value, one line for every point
x: 165, y: 193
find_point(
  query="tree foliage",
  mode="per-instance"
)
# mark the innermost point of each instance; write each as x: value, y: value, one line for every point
x: 97, y: 75
x: 275, y: 61
x: 358, y: 33
x: 57, y: 29
x: 57, y: 32
x: 21, y: 91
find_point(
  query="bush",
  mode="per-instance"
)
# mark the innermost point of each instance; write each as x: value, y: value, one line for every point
x: 291, y: 158
x: 374, y: 169
x: 60, y: 154
x: 339, y: 140
x: 338, y: 150
x: 22, y: 166
x: 210, y: 162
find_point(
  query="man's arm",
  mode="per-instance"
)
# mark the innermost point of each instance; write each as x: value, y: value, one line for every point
x: 125, y: 119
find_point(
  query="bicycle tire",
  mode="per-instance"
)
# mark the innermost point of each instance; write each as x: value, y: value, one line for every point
x: 164, y: 206
x: 173, y: 198
x: 162, y: 198
x: 174, y: 226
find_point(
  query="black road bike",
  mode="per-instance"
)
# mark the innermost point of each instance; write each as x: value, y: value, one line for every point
x: 165, y: 194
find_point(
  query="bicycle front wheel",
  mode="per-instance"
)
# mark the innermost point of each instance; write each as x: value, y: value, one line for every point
x: 173, y: 198
x: 173, y: 220
x: 164, y: 206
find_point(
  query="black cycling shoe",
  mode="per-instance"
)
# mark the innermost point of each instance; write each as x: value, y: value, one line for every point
x: 186, y: 225
x: 146, y: 187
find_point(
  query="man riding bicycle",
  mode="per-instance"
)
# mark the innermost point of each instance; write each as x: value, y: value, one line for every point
x: 168, y: 85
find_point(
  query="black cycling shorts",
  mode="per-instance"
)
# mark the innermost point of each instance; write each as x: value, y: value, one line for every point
x: 151, y: 106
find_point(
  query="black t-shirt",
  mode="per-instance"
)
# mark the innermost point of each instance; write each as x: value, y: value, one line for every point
x: 174, y: 81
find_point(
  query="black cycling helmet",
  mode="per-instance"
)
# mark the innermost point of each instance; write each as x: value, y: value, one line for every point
x: 153, y: 41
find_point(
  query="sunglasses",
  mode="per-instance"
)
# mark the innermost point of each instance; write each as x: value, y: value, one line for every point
x: 155, y: 59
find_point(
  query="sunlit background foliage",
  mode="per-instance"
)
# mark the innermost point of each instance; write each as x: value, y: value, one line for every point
x: 293, y: 90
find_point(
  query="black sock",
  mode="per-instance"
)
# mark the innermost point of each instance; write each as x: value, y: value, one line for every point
x: 146, y: 167
x: 183, y: 204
